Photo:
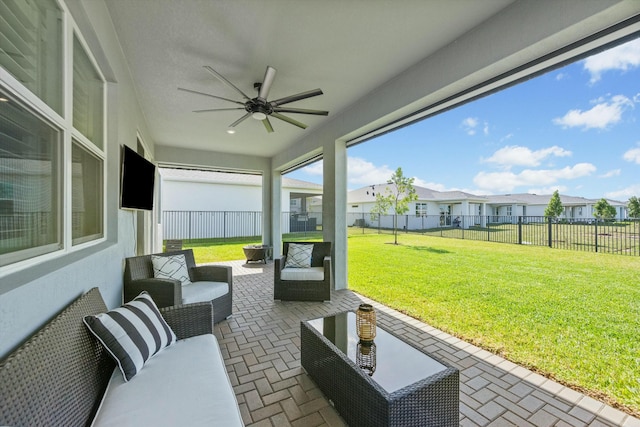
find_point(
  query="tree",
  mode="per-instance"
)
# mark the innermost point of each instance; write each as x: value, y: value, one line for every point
x: 603, y: 210
x: 398, y: 194
x: 634, y: 207
x: 554, y: 208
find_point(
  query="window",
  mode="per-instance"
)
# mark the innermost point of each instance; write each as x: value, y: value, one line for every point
x: 30, y: 183
x: 86, y: 166
x: 31, y: 47
x: 49, y: 164
x: 421, y: 209
x: 86, y: 195
x: 509, y: 210
x: 88, y: 87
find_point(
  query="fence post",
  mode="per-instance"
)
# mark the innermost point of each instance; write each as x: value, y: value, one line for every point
x: 549, y: 219
x: 488, y: 229
x: 519, y: 230
x: 595, y: 225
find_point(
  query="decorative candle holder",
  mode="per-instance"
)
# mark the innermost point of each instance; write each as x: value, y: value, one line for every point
x: 366, y: 357
x: 366, y: 322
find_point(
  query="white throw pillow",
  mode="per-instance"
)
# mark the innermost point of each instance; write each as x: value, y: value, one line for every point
x: 132, y: 334
x: 299, y: 256
x: 171, y: 267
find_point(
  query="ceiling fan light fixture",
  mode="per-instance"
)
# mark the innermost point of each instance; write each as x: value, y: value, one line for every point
x: 259, y: 115
x: 231, y: 131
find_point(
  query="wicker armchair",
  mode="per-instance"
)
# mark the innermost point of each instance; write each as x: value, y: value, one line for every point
x: 302, y: 289
x: 138, y: 277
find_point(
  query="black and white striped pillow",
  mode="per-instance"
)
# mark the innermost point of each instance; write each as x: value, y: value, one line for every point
x: 132, y: 334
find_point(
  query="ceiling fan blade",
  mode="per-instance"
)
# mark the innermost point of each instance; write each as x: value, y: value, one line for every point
x: 288, y: 120
x: 297, y: 97
x: 217, y: 109
x: 301, y: 111
x: 225, y: 81
x: 269, y: 76
x: 267, y: 125
x: 209, y: 95
x: 240, y: 120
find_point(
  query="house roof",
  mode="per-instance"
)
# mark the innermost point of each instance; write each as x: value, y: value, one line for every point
x: 543, y: 199
x: 367, y: 194
x: 214, y: 177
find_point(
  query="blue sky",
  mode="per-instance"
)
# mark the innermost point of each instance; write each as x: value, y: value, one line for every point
x: 575, y: 129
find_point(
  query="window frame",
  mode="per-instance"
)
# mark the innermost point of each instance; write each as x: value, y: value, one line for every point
x: 63, y: 121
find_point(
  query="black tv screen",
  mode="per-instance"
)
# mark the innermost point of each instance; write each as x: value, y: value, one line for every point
x: 138, y: 177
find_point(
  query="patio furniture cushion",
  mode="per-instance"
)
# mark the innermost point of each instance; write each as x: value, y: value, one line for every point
x: 203, y: 291
x: 171, y: 267
x: 305, y: 274
x: 299, y: 256
x: 186, y: 385
x: 132, y: 334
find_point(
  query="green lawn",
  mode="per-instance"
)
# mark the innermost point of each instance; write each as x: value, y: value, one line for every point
x: 574, y: 316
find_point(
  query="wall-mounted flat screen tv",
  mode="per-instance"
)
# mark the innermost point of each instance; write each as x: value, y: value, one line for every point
x: 138, y: 177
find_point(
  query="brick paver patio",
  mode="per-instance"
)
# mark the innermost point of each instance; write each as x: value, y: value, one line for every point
x: 261, y: 347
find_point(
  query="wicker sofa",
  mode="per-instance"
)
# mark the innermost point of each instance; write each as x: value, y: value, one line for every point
x: 216, y: 280
x: 304, y: 284
x: 61, y: 376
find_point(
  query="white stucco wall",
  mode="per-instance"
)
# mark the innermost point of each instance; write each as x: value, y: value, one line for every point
x: 35, y: 291
x: 201, y: 196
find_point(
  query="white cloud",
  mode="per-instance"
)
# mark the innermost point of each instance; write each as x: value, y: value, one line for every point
x: 506, y: 137
x: 561, y: 76
x: 625, y: 193
x: 515, y: 155
x: 469, y: 125
x: 485, y: 129
x: 507, y: 181
x: 548, y: 190
x: 610, y: 174
x: 431, y: 185
x: 632, y: 155
x: 361, y: 172
x: 314, y: 169
x: 600, y: 116
x: 623, y: 57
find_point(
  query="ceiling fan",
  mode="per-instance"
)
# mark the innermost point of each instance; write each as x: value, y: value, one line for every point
x: 259, y: 108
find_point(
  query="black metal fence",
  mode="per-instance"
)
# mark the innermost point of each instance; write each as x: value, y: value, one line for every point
x: 619, y: 237
x: 188, y: 225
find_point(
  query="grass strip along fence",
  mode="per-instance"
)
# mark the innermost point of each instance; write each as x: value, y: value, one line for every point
x: 573, y: 316
x: 614, y: 237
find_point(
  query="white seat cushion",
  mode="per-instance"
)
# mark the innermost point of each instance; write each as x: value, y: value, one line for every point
x: 203, y: 291
x: 302, y: 274
x: 184, y: 385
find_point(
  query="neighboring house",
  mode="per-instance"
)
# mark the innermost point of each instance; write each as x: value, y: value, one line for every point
x: 208, y: 204
x: 199, y: 190
x: 441, y: 208
x: 431, y: 209
x: 575, y: 208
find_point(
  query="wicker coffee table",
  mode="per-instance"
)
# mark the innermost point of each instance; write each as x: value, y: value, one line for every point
x: 407, y: 386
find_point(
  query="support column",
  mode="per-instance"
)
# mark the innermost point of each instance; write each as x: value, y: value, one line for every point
x: 271, y: 208
x: 334, y: 208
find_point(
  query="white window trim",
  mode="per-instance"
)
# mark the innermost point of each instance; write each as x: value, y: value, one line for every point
x: 68, y: 133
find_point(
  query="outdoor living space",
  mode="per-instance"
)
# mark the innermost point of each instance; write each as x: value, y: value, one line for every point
x: 261, y: 348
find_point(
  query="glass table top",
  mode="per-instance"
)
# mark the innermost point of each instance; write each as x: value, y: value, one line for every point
x: 397, y: 364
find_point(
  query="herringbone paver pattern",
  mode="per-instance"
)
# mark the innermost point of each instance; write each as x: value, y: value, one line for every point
x: 261, y: 348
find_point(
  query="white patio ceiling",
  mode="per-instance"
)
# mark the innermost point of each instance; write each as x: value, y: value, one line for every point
x: 356, y: 51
